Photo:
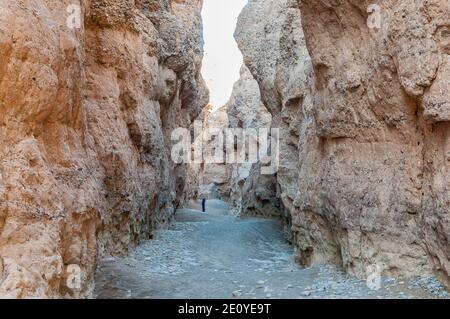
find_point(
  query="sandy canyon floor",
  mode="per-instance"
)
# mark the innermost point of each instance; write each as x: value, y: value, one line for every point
x: 214, y: 255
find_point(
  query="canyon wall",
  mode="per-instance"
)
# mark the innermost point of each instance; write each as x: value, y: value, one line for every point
x: 237, y: 183
x: 360, y: 92
x: 251, y: 193
x: 240, y: 183
x: 86, y: 113
x: 213, y: 175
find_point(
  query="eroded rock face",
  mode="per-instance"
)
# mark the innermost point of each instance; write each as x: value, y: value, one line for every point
x: 241, y: 184
x: 365, y: 177
x: 275, y: 52
x: 85, y: 121
x: 251, y: 193
x: 214, y: 173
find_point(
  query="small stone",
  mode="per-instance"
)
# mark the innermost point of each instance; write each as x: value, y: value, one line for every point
x: 237, y: 293
x: 267, y: 289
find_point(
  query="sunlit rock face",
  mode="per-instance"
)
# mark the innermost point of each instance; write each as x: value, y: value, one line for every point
x: 361, y: 90
x: 85, y: 120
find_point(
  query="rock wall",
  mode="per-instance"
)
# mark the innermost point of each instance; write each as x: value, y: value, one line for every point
x: 241, y: 184
x: 251, y: 193
x: 364, y: 106
x: 275, y: 52
x: 85, y: 121
x: 213, y: 176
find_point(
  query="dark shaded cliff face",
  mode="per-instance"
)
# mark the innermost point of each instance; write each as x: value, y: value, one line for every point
x: 365, y: 159
x: 85, y: 121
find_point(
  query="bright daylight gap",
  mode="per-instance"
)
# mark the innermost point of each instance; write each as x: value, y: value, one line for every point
x: 222, y: 60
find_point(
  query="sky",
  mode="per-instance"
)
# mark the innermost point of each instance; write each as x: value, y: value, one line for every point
x: 223, y: 59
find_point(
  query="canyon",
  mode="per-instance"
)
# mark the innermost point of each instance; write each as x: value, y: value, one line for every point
x: 358, y: 89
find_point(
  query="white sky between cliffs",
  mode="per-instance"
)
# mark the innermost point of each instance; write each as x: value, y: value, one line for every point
x: 223, y: 59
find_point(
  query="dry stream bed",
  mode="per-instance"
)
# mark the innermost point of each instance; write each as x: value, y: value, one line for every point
x: 215, y: 255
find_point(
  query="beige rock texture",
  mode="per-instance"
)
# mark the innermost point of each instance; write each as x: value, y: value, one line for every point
x: 274, y: 50
x: 241, y: 184
x: 250, y: 192
x: 85, y: 121
x: 214, y: 175
x: 363, y: 105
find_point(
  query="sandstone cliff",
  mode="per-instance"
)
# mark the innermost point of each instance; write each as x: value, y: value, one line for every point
x: 213, y: 175
x: 85, y: 121
x: 241, y: 184
x: 251, y: 193
x: 365, y: 167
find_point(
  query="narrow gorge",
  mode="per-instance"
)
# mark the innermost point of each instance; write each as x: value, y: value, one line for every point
x: 91, y: 92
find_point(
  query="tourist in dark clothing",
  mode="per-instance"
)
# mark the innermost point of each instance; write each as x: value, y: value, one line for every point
x: 203, y: 205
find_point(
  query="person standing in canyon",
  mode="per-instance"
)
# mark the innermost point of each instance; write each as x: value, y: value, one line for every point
x: 204, y: 205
